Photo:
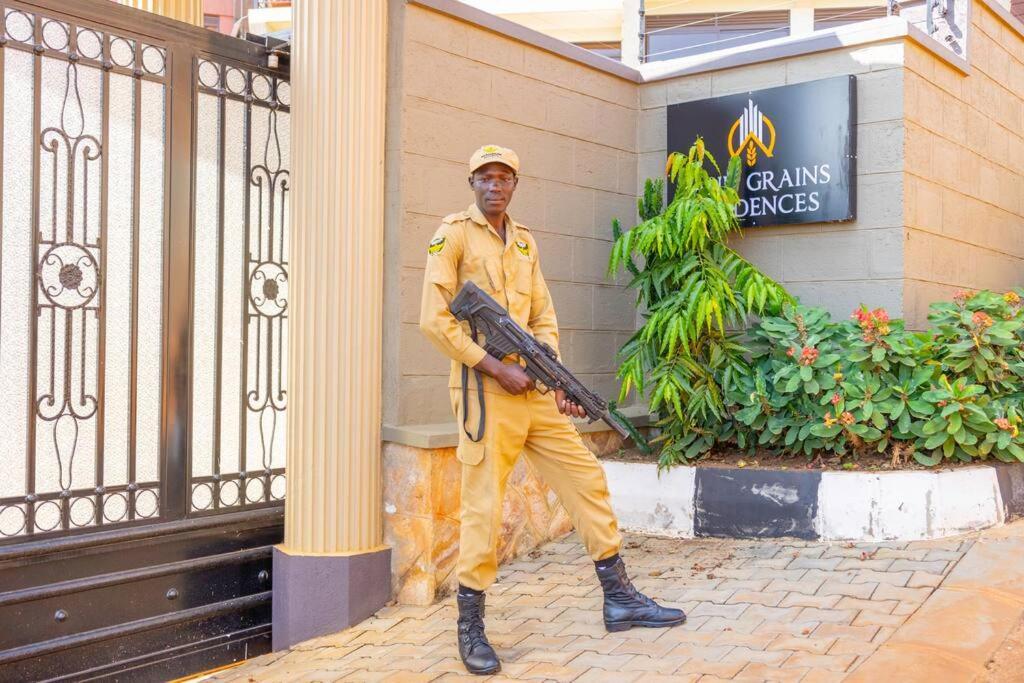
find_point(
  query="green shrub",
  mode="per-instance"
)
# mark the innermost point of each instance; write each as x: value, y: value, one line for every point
x: 797, y: 382
x: 868, y: 386
x: 692, y: 288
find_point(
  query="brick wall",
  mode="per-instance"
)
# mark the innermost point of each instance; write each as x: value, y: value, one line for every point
x: 836, y: 265
x: 964, y: 198
x: 457, y: 87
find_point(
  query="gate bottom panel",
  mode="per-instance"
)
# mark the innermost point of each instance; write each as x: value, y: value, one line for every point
x: 184, y: 600
x: 156, y: 654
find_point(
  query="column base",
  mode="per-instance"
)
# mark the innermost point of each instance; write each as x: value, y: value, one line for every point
x: 319, y: 594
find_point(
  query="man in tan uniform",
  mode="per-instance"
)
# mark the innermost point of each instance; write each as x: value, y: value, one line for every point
x: 484, y: 245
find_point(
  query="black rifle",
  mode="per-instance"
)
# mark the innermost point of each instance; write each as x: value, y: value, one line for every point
x: 503, y: 336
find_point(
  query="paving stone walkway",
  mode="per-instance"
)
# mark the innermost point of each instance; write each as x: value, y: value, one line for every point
x: 758, y: 611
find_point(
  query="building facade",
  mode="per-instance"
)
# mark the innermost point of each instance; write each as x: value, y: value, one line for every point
x: 412, y: 88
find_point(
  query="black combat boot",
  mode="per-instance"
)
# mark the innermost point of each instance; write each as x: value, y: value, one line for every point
x: 477, y: 654
x: 626, y: 607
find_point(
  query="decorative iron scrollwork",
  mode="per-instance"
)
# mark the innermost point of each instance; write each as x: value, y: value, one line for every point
x: 258, y: 479
x: 63, y: 82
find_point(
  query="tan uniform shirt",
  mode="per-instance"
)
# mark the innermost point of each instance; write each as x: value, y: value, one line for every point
x: 465, y: 248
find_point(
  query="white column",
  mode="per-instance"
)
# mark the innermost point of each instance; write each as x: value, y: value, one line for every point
x: 801, y: 21
x: 332, y: 569
x: 189, y: 11
x: 631, y: 29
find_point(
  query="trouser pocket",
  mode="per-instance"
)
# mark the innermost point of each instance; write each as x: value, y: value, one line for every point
x: 467, y: 452
x: 470, y: 452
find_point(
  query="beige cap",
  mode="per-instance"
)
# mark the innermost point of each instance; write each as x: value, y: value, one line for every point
x: 494, y: 154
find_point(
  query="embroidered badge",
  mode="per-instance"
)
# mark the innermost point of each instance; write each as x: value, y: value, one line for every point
x: 523, y: 247
x: 436, y: 245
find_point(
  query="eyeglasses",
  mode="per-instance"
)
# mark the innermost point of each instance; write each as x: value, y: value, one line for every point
x: 496, y: 182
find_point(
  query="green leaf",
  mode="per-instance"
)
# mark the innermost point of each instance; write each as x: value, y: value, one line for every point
x: 935, y: 440
x: 806, y: 373
x: 826, y: 432
x: 921, y: 407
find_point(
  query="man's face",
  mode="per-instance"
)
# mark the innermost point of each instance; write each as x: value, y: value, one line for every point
x: 493, y: 184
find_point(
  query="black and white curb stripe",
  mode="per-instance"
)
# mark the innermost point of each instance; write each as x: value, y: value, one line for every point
x: 813, y: 505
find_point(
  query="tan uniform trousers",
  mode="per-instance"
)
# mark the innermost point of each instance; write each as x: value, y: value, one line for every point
x: 530, y: 424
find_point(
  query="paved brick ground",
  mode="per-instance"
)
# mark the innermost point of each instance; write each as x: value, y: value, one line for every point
x: 758, y: 611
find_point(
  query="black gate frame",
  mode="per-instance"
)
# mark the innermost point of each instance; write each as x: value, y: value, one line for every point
x: 149, y: 599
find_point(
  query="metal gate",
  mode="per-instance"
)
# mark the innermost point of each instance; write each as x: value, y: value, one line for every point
x: 143, y: 342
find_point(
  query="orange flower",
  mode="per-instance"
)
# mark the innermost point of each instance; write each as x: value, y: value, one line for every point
x: 962, y: 296
x: 829, y: 420
x: 982, y: 320
x: 809, y: 355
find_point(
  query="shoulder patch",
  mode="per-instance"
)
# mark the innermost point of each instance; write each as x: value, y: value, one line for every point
x: 523, y: 246
x: 436, y: 245
x: 452, y: 217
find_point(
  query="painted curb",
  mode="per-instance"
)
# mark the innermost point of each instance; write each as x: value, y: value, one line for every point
x: 647, y: 503
x: 689, y: 502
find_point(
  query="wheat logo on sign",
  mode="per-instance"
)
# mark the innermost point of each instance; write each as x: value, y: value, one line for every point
x: 748, y: 134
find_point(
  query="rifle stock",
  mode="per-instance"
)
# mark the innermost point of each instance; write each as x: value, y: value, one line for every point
x: 503, y: 336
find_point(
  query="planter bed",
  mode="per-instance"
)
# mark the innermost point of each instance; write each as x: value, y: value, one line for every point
x: 734, y: 502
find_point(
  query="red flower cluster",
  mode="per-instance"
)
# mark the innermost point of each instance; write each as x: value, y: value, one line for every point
x: 1007, y: 426
x: 875, y: 324
x: 847, y: 418
x: 809, y: 355
x: 961, y: 297
x: 836, y: 398
x: 791, y: 352
x: 982, y: 320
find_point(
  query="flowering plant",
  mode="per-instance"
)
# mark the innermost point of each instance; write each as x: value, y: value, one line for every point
x: 868, y: 386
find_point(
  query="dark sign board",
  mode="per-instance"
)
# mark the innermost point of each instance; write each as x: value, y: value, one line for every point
x: 797, y: 145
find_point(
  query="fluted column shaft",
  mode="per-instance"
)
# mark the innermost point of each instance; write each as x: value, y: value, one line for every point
x: 189, y: 11
x: 338, y: 78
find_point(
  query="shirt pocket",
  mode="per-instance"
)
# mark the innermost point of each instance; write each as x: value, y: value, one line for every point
x: 524, y: 276
x: 484, y: 273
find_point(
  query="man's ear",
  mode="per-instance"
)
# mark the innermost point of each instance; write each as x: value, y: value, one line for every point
x: 469, y: 179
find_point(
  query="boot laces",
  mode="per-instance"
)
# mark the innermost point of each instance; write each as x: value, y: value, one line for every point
x: 471, y: 625
x: 631, y: 591
x: 475, y: 635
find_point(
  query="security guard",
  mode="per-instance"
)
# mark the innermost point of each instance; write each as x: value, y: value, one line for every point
x: 484, y: 245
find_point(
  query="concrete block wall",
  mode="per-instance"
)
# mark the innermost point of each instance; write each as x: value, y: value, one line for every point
x: 456, y: 86
x: 964, y: 194
x: 836, y: 265
x: 940, y: 178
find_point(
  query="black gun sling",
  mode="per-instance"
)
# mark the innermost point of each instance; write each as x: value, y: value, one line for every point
x: 479, y: 391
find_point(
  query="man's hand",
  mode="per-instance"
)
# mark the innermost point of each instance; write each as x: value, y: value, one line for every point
x: 567, y: 407
x: 510, y: 376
